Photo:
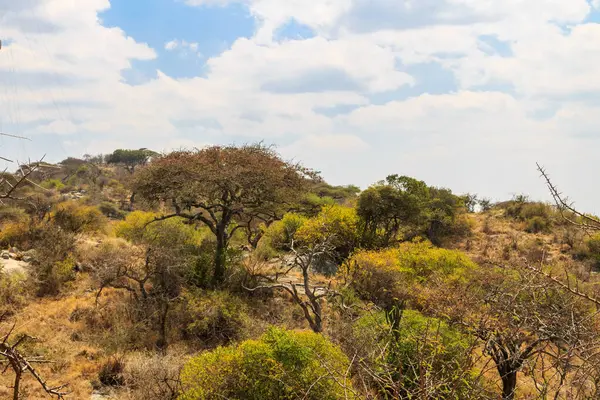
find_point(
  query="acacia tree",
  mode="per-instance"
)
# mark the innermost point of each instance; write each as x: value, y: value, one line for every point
x: 226, y: 188
x: 404, y: 205
x: 518, y: 316
x: 130, y: 159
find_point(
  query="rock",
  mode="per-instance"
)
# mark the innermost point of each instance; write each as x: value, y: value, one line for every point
x: 29, y: 255
x: 5, y: 255
x: 14, y: 266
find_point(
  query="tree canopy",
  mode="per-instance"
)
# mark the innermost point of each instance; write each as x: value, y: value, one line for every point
x: 130, y: 159
x: 227, y: 188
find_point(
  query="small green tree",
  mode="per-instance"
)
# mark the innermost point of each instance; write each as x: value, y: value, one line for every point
x: 280, y: 365
x: 130, y: 159
x: 402, y: 207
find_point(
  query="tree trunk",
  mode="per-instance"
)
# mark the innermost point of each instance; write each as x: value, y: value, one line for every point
x: 162, y: 342
x: 16, y: 386
x: 509, y: 382
x: 131, y: 201
x: 220, y: 256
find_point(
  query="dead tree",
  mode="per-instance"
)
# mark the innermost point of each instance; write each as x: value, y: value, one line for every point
x: 308, y: 296
x: 21, y: 364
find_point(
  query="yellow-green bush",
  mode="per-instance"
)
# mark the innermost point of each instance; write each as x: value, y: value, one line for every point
x: 15, y: 233
x: 399, y: 273
x: 280, y: 233
x: 76, y: 217
x: 53, y: 184
x: 337, y: 222
x: 138, y: 228
x: 280, y: 365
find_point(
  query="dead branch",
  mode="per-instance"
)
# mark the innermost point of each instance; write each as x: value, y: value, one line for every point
x: 565, y: 286
x: 587, y: 222
x: 10, y: 183
x: 21, y: 364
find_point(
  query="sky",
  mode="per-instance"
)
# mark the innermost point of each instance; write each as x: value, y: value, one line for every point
x: 464, y: 94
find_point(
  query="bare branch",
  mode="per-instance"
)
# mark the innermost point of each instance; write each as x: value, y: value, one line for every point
x: 563, y: 205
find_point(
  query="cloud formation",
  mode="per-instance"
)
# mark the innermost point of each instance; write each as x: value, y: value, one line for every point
x: 356, y: 100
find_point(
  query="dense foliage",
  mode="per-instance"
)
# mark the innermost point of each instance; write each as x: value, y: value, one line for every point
x: 197, y: 275
x: 280, y: 365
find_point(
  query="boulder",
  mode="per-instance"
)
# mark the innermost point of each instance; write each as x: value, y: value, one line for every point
x: 5, y: 255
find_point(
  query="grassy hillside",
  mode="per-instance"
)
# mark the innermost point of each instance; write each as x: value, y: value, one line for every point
x: 399, y: 291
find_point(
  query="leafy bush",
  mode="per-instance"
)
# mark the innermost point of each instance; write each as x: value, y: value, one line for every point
x: 215, y: 317
x: 280, y: 365
x: 111, y: 210
x: 537, y: 225
x: 279, y: 235
x: 537, y: 216
x: 388, y: 276
x: 138, y: 227
x: 16, y: 233
x: 53, y: 184
x: 75, y: 217
x: 422, y: 349
x: 338, y: 222
x: 55, y: 259
x: 12, y: 292
x: 531, y: 210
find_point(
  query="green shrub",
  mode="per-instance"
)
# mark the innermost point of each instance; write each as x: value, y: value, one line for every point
x: 280, y: 365
x: 537, y: 225
x: 215, y: 317
x: 53, y: 184
x: 12, y: 292
x: 590, y: 249
x: 75, y: 217
x: 111, y: 210
x: 138, y: 227
x: 531, y: 210
x: 337, y: 222
x: 16, y: 233
x: 388, y: 276
x: 279, y: 235
x: 421, y: 349
x: 55, y: 261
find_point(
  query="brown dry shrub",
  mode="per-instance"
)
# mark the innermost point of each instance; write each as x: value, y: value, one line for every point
x: 153, y: 376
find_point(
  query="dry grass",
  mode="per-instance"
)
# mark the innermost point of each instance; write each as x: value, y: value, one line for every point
x: 74, y: 362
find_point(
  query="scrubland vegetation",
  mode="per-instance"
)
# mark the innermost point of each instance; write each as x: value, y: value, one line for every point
x: 229, y: 272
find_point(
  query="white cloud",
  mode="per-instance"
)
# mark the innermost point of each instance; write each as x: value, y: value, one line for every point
x: 183, y: 47
x: 532, y: 100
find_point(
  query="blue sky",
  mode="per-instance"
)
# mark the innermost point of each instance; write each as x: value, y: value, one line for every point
x: 214, y: 29
x: 463, y: 94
